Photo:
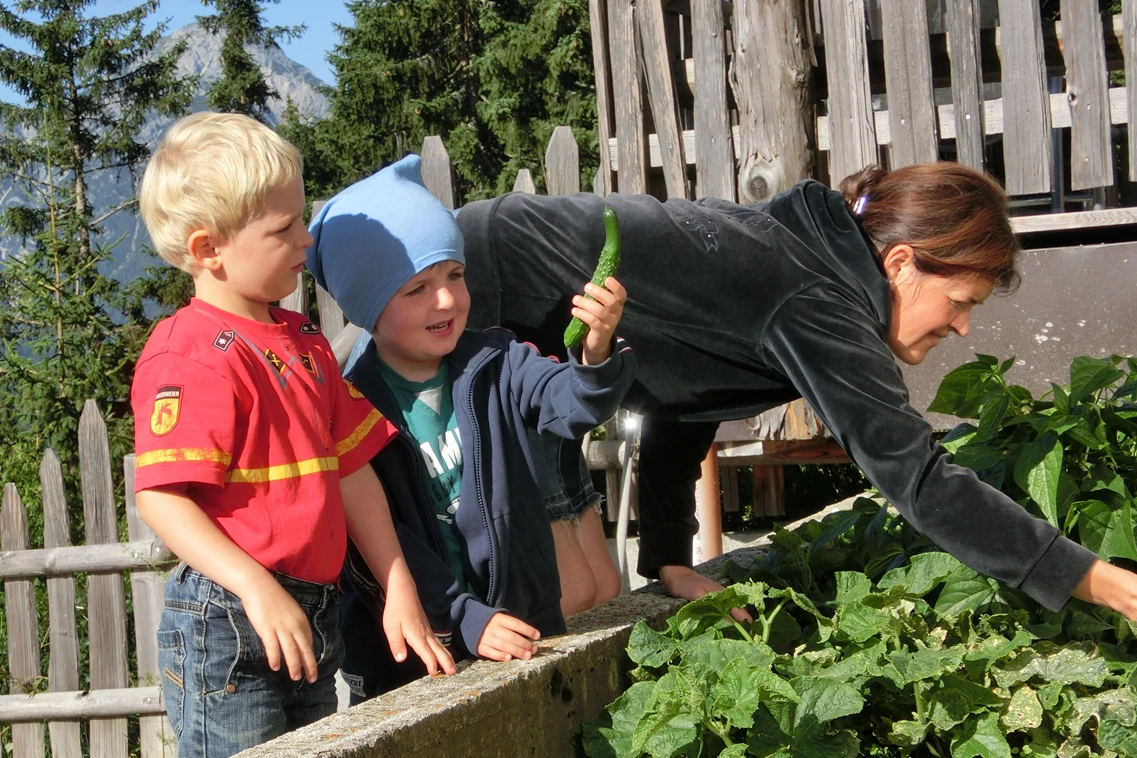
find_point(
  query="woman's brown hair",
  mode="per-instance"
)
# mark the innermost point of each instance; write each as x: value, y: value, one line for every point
x: 955, y: 218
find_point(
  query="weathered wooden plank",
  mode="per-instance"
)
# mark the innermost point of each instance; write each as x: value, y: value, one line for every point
x: 331, y: 317
x: 714, y: 171
x: 148, y: 590
x: 437, y: 173
x: 106, y: 606
x: 65, y: 561
x: 524, y: 181
x: 562, y: 163
x: 23, y: 623
x: 966, y: 81
x: 1078, y: 220
x: 769, y: 491
x: 908, y: 72
x: 598, y: 25
x: 852, y: 130
x: 63, y: 666
x: 1129, y: 41
x: 1026, y: 132
x: 627, y: 94
x: 728, y: 475
x: 772, y: 78
x: 125, y: 701
x: 661, y: 93
x: 1091, y: 148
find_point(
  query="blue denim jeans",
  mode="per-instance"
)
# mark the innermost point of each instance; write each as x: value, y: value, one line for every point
x: 565, y: 480
x: 220, y: 693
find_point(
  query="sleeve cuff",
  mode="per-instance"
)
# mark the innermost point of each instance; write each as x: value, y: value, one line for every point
x: 1052, y: 580
x: 471, y: 622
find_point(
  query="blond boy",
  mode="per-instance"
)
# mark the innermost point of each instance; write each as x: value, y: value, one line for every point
x: 252, y: 452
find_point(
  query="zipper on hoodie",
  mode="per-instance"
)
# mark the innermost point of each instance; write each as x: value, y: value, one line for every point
x: 491, y: 585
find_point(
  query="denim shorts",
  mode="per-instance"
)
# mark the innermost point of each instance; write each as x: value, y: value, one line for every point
x: 219, y: 691
x: 565, y: 480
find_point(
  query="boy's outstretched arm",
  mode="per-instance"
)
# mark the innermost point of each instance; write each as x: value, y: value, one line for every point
x: 370, y: 527
x: 601, y: 314
x: 277, y: 618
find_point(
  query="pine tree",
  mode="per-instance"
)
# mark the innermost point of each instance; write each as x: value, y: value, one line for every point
x: 68, y: 333
x: 242, y: 87
x: 492, y: 79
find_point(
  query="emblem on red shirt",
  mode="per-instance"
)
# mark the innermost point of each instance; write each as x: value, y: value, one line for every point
x: 352, y: 391
x: 275, y: 360
x: 167, y: 404
x: 309, y: 362
x: 309, y: 328
x: 224, y: 339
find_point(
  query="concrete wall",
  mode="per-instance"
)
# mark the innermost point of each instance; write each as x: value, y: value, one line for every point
x: 507, y: 710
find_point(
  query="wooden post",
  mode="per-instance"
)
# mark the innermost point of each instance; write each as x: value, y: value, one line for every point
x: 852, y: 128
x: 106, y: 606
x: 598, y: 24
x: 708, y: 509
x: 1027, y: 151
x: 908, y: 72
x: 562, y: 163
x: 769, y: 491
x: 1129, y: 39
x: 524, y: 182
x: 966, y: 81
x: 437, y: 173
x: 772, y: 79
x: 1091, y: 147
x: 627, y: 94
x: 148, y: 589
x: 661, y: 91
x: 23, y: 623
x: 714, y: 148
x: 63, y: 667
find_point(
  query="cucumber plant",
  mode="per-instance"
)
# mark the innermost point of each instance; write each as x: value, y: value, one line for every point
x: 868, y: 640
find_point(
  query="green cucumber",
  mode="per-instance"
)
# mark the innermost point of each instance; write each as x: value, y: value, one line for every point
x: 609, y: 262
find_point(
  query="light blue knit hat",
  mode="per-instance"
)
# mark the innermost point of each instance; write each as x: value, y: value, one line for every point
x: 370, y: 239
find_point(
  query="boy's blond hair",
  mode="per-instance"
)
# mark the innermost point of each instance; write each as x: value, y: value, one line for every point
x: 211, y: 171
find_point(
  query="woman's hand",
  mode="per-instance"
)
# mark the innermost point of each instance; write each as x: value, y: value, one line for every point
x: 1113, y: 587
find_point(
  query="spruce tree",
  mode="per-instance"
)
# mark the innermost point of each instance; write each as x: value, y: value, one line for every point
x: 242, y: 87
x: 68, y: 333
x: 492, y: 79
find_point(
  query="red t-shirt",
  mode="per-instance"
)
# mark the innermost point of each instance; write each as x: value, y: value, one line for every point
x: 256, y: 419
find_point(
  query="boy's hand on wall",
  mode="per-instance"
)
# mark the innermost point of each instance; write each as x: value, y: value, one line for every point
x: 601, y: 313
x: 283, y: 628
x: 404, y: 623
x: 507, y: 637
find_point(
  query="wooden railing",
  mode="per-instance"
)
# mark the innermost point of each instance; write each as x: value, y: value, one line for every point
x: 115, y: 692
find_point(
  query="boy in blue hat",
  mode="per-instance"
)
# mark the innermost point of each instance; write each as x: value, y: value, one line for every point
x: 461, y: 476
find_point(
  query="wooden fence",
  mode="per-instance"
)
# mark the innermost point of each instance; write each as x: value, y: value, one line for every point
x: 116, y: 692
x: 697, y: 98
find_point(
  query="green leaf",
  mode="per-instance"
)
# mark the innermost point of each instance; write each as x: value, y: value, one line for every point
x: 965, y: 591
x: 858, y: 622
x: 650, y: 648
x: 1118, y: 540
x: 1088, y: 375
x: 1061, y: 399
x: 993, y: 650
x: 1024, y: 711
x: 737, y: 750
x: 1037, y: 470
x: 1005, y: 366
x: 980, y: 737
x: 714, y: 654
x: 926, y: 663
x: 825, y: 699
x: 908, y: 733
x: 609, y: 735
x: 991, y: 418
x: 962, y: 391
x: 923, y: 573
x: 736, y: 695
x: 851, y: 586
x: 1048, y: 663
x: 978, y: 457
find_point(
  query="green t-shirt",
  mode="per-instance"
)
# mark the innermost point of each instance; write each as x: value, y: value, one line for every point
x: 428, y: 411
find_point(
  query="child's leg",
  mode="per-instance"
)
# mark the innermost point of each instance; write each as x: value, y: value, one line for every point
x: 595, y: 547
x: 219, y: 692
x: 578, y: 586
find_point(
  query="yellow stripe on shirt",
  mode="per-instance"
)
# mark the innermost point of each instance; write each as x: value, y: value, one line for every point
x: 282, y: 471
x: 181, y: 454
x: 346, y: 446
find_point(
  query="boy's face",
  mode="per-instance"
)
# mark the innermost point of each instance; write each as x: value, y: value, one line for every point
x: 259, y: 264
x: 421, y: 324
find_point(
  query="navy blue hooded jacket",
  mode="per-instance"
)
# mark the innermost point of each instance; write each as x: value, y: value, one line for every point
x: 500, y: 388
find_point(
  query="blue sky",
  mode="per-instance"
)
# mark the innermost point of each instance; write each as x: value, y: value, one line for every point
x: 309, y: 49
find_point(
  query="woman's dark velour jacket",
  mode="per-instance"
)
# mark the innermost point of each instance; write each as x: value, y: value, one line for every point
x: 500, y: 388
x: 735, y: 309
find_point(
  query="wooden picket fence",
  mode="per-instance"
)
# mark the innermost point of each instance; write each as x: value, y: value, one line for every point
x: 687, y: 92
x: 116, y: 693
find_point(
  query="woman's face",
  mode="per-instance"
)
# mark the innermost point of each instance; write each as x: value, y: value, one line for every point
x: 927, y: 308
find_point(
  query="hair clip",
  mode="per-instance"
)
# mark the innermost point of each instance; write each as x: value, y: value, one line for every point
x: 859, y: 206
